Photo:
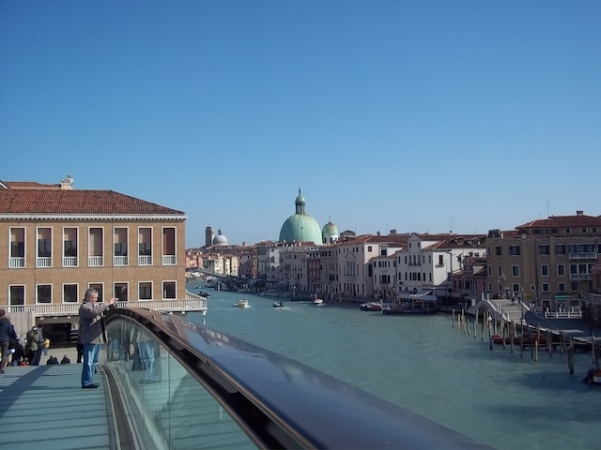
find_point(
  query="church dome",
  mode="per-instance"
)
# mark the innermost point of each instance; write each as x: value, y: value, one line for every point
x: 300, y: 227
x: 220, y: 239
x: 329, y: 233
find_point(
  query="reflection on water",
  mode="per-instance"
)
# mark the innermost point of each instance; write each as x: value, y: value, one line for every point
x: 425, y: 365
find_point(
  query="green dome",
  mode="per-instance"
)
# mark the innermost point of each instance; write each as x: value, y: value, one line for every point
x: 329, y: 231
x: 300, y: 227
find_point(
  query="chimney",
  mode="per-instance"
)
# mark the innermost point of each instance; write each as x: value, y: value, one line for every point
x: 579, y: 212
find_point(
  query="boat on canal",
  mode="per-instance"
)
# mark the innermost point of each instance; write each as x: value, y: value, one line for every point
x: 371, y: 306
x: 243, y: 303
x: 279, y: 305
x: 413, y: 307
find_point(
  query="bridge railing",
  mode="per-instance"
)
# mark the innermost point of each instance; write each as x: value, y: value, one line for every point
x: 188, y: 386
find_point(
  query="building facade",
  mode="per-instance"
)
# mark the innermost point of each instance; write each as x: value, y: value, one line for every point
x: 59, y: 242
x: 549, y: 262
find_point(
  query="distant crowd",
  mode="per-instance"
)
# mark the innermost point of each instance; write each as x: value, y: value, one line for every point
x: 14, y: 353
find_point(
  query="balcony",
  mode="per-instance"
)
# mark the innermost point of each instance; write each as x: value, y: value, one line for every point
x: 95, y: 261
x: 70, y: 261
x: 581, y: 277
x: 144, y: 260
x: 169, y: 260
x: 43, y: 262
x: 582, y: 256
x: 16, y: 263
x: 120, y: 261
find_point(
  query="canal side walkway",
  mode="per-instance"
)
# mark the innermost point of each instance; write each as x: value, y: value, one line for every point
x: 45, y: 407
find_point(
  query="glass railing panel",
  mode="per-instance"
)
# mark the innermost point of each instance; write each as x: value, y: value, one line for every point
x: 168, y: 406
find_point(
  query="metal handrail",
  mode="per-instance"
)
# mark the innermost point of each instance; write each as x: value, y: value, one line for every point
x: 281, y: 403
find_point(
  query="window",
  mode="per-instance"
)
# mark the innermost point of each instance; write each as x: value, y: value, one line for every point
x: 169, y: 291
x: 543, y: 249
x: 561, y: 270
x: 70, y: 247
x: 145, y: 290
x: 544, y: 270
x: 514, y: 250
x: 145, y: 246
x: 100, y: 288
x: 515, y: 271
x: 44, y: 250
x: 515, y: 287
x: 17, y: 247
x: 561, y: 287
x: 144, y: 249
x: 560, y: 249
x: 500, y: 271
x: 120, y: 290
x: 44, y: 294
x: 499, y: 252
x: 120, y: 249
x: 70, y: 293
x: 70, y: 242
x: 16, y: 295
x: 545, y: 287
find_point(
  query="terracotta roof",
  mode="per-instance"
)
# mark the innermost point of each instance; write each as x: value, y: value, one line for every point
x: 29, y: 185
x: 579, y: 220
x: 50, y: 201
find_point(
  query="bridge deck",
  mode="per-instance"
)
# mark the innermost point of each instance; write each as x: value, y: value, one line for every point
x: 44, y: 406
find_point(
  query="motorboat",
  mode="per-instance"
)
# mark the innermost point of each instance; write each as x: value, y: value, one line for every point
x: 413, y: 307
x: 371, y: 306
x: 243, y: 303
x: 318, y: 301
x: 279, y: 305
x: 204, y: 294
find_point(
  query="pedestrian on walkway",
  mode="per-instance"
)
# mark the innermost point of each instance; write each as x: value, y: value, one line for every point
x: 7, y: 332
x: 19, y: 353
x: 33, y: 348
x: 45, y: 346
x: 91, y: 329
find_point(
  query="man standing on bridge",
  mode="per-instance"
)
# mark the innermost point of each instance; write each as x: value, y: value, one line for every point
x: 91, y: 334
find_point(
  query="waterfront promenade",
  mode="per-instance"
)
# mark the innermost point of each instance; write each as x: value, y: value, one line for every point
x: 44, y: 406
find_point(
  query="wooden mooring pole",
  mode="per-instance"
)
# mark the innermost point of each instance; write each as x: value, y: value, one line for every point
x: 571, y: 356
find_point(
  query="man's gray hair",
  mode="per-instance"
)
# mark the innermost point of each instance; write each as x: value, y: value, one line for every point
x: 89, y: 293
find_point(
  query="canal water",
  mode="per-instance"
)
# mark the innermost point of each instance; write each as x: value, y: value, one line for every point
x: 426, y: 365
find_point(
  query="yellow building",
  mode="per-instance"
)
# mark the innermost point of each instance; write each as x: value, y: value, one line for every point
x: 547, y: 261
x: 57, y: 242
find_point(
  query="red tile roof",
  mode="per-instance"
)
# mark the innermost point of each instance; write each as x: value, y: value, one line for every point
x: 29, y: 185
x: 579, y: 220
x: 50, y: 201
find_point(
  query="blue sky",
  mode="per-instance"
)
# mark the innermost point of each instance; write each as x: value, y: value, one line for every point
x: 417, y: 116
